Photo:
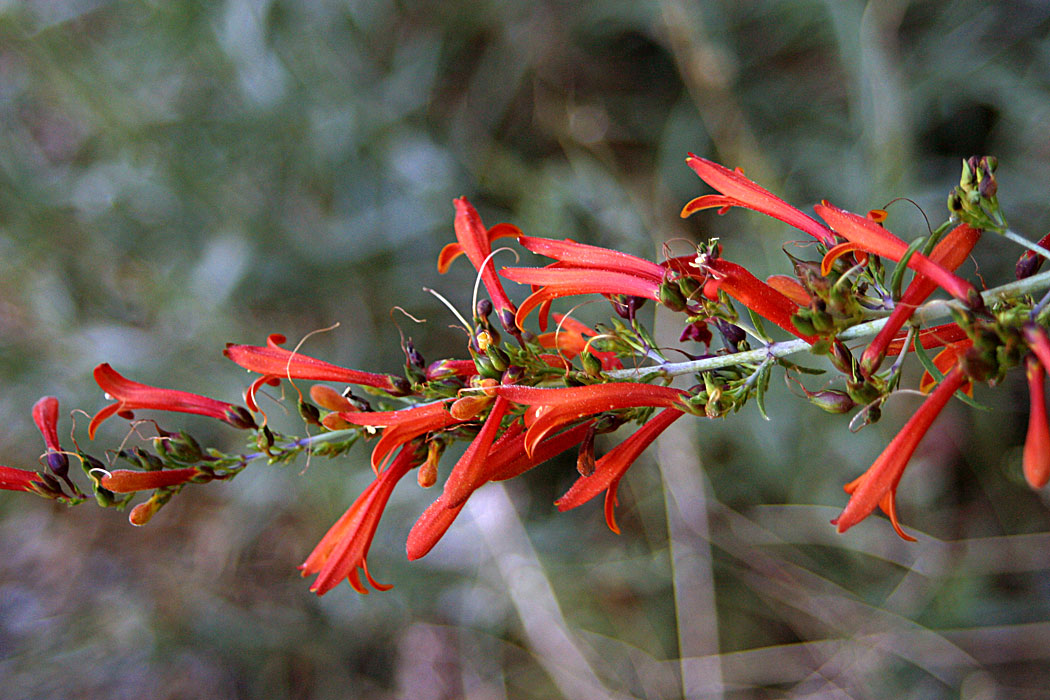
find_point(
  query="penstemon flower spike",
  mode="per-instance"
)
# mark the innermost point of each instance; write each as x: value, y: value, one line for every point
x: 519, y: 404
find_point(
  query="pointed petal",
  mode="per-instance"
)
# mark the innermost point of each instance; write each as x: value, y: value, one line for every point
x: 449, y: 253
x: 750, y: 195
x: 473, y: 237
x: 582, y: 255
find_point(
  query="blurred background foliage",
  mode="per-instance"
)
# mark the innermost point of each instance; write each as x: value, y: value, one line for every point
x: 175, y: 176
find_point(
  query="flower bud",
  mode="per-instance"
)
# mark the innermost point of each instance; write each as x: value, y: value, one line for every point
x: 591, y: 364
x: 309, y: 413
x: 428, y: 470
x: 144, y: 512
x: 468, y: 407
x: 58, y: 463
x: 831, y: 401
x: 671, y: 296
x: 861, y: 392
x: 690, y: 287
x: 498, y: 357
x: 239, y: 417
x: 399, y: 386
x: 513, y: 375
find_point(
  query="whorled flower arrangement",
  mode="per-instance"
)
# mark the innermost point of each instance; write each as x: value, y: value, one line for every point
x: 523, y: 400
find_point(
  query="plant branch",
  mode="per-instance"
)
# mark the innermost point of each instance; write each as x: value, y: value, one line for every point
x: 925, y: 313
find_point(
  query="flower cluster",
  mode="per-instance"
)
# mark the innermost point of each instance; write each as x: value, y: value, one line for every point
x: 520, y: 398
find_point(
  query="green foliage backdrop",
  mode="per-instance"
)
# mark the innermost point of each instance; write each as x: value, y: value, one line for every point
x: 175, y: 176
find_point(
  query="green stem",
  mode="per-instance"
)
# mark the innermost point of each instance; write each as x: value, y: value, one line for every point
x: 1022, y: 241
x: 928, y: 312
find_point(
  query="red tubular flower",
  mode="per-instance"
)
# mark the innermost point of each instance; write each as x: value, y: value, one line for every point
x: 1036, y: 461
x: 469, y: 472
x: 474, y: 240
x: 738, y: 191
x: 399, y: 427
x: 131, y: 396
x: 877, y: 487
x: 128, y: 480
x: 950, y: 252
x: 574, y: 254
x: 45, y: 415
x: 558, y: 282
x: 12, y: 479
x: 613, y: 465
x: 753, y: 293
x: 506, y: 459
x: 564, y: 406
x: 873, y: 238
x: 344, y: 548
x: 583, y: 269
x: 275, y: 363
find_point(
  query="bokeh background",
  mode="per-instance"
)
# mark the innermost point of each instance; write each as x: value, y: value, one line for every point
x: 178, y: 175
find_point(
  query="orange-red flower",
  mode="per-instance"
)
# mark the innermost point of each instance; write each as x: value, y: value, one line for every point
x: 873, y: 238
x: 582, y: 269
x: 553, y: 409
x: 1036, y: 459
x: 753, y: 293
x: 275, y: 363
x: 132, y: 396
x: 610, y: 468
x: 129, y: 481
x: 573, y: 254
x: 344, y: 548
x: 469, y: 472
x: 399, y: 427
x: 557, y: 281
x: 950, y: 252
x: 877, y: 487
x: 12, y: 479
x: 474, y: 240
x: 506, y: 459
x: 45, y: 415
x: 738, y: 191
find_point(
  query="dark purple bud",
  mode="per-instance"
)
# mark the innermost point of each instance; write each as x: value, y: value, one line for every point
x: 483, y: 309
x: 58, y: 463
x: 413, y: 356
x: 831, y: 401
x: 239, y: 417
x: 732, y: 335
x: 506, y: 319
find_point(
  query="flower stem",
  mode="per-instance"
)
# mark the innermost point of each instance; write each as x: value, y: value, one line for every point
x: 928, y: 312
